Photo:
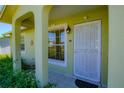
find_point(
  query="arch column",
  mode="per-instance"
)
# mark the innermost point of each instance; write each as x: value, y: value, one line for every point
x: 41, y: 40
x: 16, y: 46
x: 41, y: 45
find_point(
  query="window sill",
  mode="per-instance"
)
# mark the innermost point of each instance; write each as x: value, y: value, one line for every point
x: 57, y: 62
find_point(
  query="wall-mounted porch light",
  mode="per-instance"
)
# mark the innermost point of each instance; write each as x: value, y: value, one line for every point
x: 68, y: 29
x: 85, y: 17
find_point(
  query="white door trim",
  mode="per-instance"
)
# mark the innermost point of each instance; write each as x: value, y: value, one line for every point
x: 99, y: 49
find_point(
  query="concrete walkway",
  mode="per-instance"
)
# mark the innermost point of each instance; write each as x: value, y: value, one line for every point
x: 61, y: 81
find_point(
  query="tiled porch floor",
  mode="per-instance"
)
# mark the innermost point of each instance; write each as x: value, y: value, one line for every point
x: 61, y: 81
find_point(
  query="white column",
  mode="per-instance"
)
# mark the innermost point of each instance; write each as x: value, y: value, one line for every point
x: 16, y: 46
x: 41, y: 46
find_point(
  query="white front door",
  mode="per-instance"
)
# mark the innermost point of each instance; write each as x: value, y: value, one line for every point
x: 87, y: 50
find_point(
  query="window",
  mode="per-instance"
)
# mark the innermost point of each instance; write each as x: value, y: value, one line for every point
x: 22, y: 43
x: 56, y: 41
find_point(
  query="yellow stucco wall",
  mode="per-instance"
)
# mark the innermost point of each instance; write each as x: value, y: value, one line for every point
x: 116, y: 47
x: 97, y: 14
x: 28, y: 55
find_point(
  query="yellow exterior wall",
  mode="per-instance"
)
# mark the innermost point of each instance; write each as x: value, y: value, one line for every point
x: 28, y: 55
x: 116, y: 47
x: 97, y: 14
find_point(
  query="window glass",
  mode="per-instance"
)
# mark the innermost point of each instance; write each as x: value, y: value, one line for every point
x: 56, y: 43
x: 22, y: 43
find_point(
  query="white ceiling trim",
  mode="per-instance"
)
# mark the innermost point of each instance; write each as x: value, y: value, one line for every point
x: 57, y: 27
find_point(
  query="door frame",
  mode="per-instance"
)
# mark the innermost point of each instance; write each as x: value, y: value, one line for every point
x: 100, y: 50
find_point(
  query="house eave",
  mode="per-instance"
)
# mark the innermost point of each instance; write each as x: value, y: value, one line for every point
x: 7, y: 13
x: 1, y: 14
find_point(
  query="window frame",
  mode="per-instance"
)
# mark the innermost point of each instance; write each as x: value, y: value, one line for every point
x: 22, y: 51
x: 55, y: 61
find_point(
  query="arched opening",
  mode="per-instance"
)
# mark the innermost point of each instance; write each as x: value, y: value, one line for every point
x: 25, y: 27
x: 27, y: 43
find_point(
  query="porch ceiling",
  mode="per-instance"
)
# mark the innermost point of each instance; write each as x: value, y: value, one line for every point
x: 57, y: 12
x: 60, y: 11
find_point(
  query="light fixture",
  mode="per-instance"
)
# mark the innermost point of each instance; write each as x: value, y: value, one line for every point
x: 85, y: 17
x: 68, y: 29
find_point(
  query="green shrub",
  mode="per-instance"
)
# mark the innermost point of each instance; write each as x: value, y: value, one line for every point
x: 50, y: 85
x: 23, y: 79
